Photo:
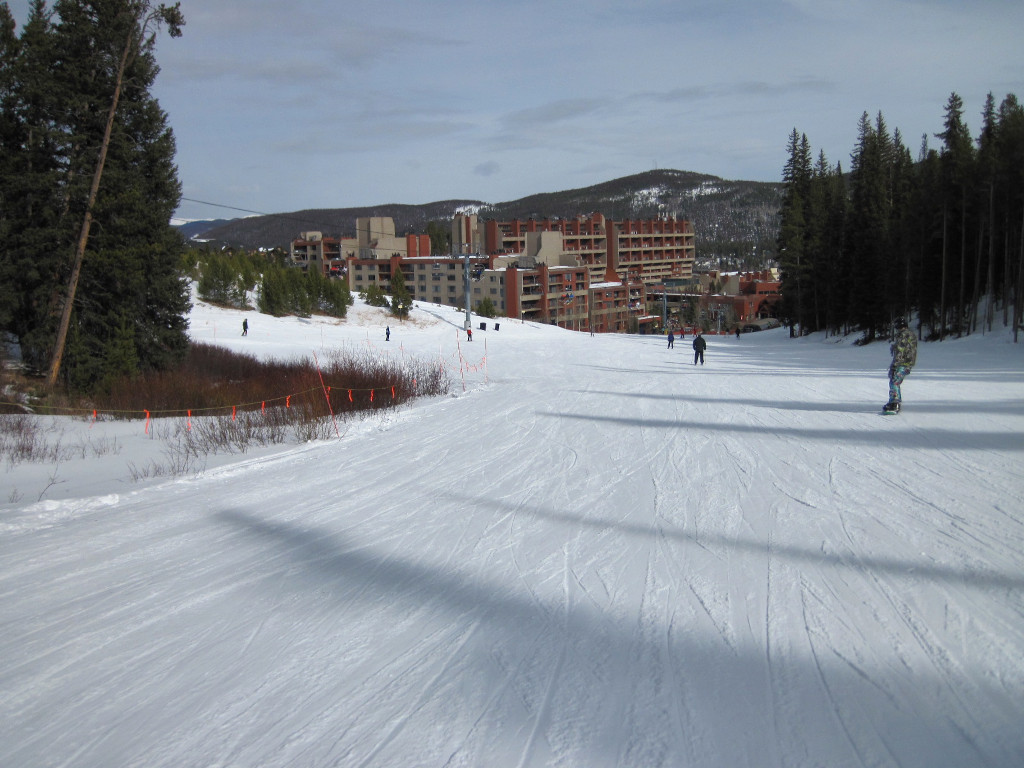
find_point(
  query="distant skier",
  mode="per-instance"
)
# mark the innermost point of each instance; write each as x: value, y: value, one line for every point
x: 245, y: 326
x: 671, y: 340
x: 469, y: 334
x: 387, y: 333
x: 699, y: 345
x: 904, y: 356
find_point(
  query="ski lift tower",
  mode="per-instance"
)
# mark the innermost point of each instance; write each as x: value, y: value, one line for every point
x: 465, y: 275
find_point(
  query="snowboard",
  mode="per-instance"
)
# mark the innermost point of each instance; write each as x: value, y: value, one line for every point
x: 890, y: 409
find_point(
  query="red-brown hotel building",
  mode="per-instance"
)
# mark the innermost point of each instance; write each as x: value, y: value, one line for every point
x: 586, y: 273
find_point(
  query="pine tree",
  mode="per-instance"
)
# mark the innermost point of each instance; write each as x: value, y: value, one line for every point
x: 1009, y: 205
x: 869, y: 212
x: 8, y: 128
x: 958, y: 169
x: 68, y: 61
x: 401, y: 301
x: 793, y: 234
x: 106, y: 48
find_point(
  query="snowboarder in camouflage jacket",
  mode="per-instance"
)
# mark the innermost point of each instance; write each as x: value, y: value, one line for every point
x: 904, y: 355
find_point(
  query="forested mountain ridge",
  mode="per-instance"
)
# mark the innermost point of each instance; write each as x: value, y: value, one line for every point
x: 728, y: 216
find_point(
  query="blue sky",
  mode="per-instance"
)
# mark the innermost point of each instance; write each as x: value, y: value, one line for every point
x: 330, y: 103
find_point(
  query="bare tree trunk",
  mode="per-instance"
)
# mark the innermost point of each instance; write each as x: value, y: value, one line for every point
x: 1006, y: 271
x: 942, y: 289
x: 963, y: 262
x: 83, y: 237
x: 991, y: 258
x: 1018, y: 304
x: 972, y: 322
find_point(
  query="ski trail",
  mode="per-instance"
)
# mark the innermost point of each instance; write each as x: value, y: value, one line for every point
x: 425, y: 693
x: 542, y: 716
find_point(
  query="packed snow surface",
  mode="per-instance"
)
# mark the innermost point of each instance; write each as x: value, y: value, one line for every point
x: 591, y: 553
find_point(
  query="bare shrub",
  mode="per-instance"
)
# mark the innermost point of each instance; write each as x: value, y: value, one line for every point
x: 223, y: 402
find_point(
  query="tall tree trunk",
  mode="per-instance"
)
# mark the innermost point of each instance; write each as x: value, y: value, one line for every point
x: 83, y: 237
x: 972, y: 324
x: 1018, y: 304
x: 963, y: 262
x: 942, y: 288
x: 1006, y: 271
x: 991, y: 258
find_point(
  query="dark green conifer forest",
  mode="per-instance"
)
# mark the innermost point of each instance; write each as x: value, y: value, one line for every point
x: 939, y: 236
x: 72, y: 68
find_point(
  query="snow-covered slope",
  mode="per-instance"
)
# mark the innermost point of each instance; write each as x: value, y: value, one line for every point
x: 592, y: 553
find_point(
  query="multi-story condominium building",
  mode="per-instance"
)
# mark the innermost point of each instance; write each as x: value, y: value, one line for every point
x: 312, y: 249
x: 533, y: 276
x: 375, y: 240
x: 649, y: 251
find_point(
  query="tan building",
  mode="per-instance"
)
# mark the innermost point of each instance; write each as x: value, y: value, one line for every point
x: 537, y: 274
x: 644, y: 250
x: 312, y: 249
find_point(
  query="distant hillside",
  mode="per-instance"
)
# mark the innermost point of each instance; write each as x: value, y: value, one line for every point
x: 196, y: 229
x: 728, y: 216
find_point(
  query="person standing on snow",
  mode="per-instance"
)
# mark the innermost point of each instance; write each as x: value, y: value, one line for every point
x: 245, y: 326
x: 904, y: 356
x: 699, y: 345
x: 671, y: 340
x: 387, y: 333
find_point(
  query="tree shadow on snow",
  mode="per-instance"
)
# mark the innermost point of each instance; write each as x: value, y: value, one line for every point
x: 1008, y: 407
x: 605, y: 667
x: 917, y: 438
x: 901, y: 568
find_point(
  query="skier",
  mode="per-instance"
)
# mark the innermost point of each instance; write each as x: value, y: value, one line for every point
x: 469, y: 334
x: 245, y: 326
x: 699, y: 345
x: 387, y: 333
x: 904, y: 355
x: 671, y: 340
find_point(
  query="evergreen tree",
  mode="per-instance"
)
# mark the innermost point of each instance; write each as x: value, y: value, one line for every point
x: 88, y: 53
x: 869, y: 216
x: 440, y: 238
x: 272, y: 295
x: 374, y: 296
x: 793, y: 233
x: 8, y: 128
x: 217, y: 280
x: 486, y: 308
x: 833, y: 271
x: 1009, y: 205
x: 958, y: 168
x: 105, y: 47
x: 924, y: 225
x: 986, y: 168
x: 401, y: 301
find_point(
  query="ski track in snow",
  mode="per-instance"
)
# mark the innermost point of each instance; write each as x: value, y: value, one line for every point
x: 597, y: 555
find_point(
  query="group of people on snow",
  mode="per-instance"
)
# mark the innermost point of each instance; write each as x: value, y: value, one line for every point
x: 699, y: 344
x: 903, y: 349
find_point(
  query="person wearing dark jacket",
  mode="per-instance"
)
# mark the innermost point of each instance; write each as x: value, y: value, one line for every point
x: 699, y: 345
